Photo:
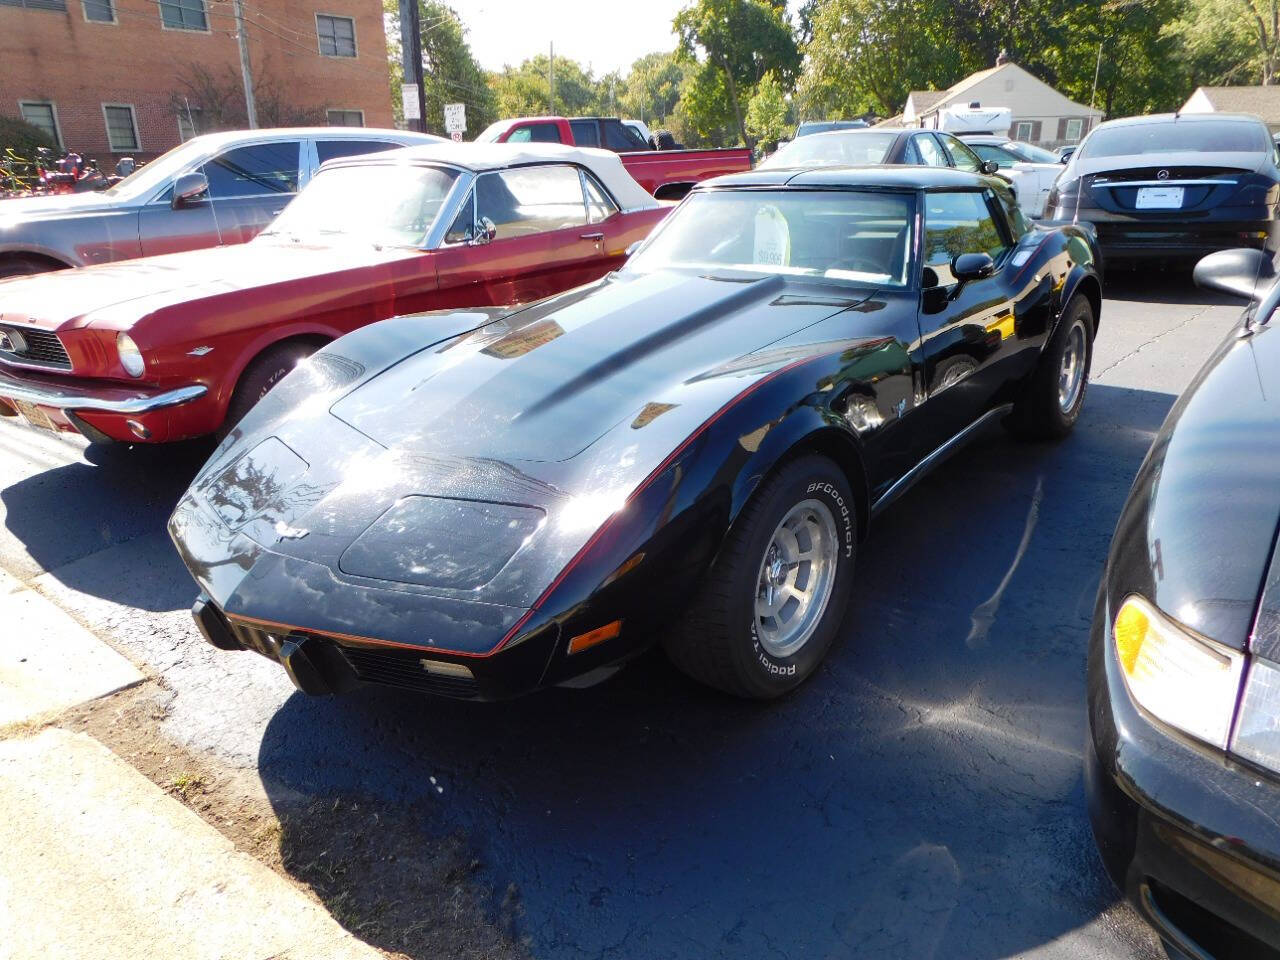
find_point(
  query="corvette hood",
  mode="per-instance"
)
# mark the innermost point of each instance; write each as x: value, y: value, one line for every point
x: 69, y: 298
x: 545, y: 383
x: 1198, y: 531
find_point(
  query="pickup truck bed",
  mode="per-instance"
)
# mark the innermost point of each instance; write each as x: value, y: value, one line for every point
x: 667, y: 174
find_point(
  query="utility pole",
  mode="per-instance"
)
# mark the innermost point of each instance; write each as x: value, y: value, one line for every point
x: 412, y: 94
x: 1097, y: 68
x: 551, y: 82
x: 245, y: 69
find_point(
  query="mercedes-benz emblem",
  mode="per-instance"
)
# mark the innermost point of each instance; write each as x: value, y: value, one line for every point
x: 1162, y: 175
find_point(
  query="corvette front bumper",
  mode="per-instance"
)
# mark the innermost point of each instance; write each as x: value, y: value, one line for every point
x: 320, y: 665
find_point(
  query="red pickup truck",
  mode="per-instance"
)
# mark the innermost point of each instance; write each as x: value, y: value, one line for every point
x: 667, y: 174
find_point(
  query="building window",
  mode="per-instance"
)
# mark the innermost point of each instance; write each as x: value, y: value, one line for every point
x: 99, y: 11
x: 41, y: 114
x: 190, y: 122
x: 337, y: 35
x: 1023, y: 130
x: 183, y: 15
x: 346, y: 118
x: 122, y: 132
x: 1075, y: 127
x: 57, y: 5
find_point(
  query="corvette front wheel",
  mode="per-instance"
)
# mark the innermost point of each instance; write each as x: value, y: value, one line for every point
x: 773, y: 599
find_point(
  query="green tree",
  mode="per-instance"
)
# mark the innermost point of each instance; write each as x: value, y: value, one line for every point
x: 1229, y: 41
x: 767, y: 111
x: 525, y: 90
x: 735, y: 43
x: 867, y: 55
x: 653, y: 87
x: 450, y: 71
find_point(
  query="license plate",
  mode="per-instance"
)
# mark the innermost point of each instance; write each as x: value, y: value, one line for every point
x: 1159, y: 198
x: 34, y: 415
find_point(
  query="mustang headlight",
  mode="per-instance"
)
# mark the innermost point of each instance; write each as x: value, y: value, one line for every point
x: 1184, y: 680
x: 1258, y: 729
x: 130, y: 356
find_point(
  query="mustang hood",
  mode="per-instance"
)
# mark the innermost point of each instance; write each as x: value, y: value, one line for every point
x: 550, y: 380
x: 1199, y: 528
x: 70, y: 298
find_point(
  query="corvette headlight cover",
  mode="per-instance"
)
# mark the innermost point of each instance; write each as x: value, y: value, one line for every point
x: 1258, y: 729
x: 130, y: 355
x: 1184, y: 680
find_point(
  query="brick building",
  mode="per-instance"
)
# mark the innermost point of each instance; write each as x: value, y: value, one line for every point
x: 110, y: 78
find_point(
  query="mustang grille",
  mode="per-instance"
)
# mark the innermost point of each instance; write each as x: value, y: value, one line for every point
x: 403, y: 668
x: 36, y: 347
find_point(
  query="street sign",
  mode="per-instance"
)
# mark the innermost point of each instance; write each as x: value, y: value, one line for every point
x: 455, y: 117
x: 409, y: 97
x: 457, y: 136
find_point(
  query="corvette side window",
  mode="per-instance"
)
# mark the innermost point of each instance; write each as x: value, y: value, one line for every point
x: 529, y: 200
x: 956, y: 223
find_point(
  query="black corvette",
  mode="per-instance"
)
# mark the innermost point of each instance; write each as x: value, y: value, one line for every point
x: 1183, y: 761
x: 688, y: 451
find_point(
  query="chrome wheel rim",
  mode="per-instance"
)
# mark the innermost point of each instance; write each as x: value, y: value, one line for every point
x: 797, y: 574
x: 1071, y: 374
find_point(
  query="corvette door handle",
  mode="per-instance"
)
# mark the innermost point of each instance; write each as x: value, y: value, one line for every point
x: 592, y: 236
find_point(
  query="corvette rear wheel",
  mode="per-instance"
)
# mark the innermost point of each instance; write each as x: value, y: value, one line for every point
x: 1053, y: 397
x: 773, y: 600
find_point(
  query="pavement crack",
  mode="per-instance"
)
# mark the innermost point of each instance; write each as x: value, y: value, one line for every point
x: 1093, y: 377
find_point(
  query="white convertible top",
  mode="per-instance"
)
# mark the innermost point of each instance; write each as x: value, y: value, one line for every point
x: 478, y: 157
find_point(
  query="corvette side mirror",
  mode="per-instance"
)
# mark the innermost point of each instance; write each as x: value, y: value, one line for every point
x: 972, y: 266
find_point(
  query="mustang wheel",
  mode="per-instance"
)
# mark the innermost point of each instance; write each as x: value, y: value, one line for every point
x: 1051, y: 402
x: 263, y: 372
x: 775, y: 595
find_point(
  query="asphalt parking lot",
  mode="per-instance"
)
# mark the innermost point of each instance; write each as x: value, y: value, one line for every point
x: 921, y: 797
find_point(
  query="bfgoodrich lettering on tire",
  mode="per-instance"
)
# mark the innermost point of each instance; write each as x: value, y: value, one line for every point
x: 773, y: 600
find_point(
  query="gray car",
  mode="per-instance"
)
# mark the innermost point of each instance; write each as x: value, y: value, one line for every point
x: 218, y: 189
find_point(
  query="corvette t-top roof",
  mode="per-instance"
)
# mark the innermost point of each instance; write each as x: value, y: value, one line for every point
x: 479, y: 157
x: 877, y: 176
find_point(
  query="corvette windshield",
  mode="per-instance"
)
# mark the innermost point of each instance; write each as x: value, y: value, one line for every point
x: 832, y: 149
x: 390, y: 205
x: 849, y: 235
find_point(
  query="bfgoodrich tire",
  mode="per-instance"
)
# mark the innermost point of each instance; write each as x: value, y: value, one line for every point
x: 775, y: 595
x: 263, y: 372
x: 1052, y: 399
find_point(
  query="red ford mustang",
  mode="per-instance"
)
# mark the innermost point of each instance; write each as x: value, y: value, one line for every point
x: 166, y: 348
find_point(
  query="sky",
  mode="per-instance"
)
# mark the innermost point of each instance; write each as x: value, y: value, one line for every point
x: 606, y: 34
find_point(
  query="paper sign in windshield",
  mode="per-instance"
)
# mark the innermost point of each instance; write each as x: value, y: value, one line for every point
x: 773, y: 238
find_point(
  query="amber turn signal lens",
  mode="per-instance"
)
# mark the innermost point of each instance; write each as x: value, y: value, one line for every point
x: 585, y: 641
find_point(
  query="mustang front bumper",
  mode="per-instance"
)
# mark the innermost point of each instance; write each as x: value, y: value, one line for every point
x: 1192, y: 838
x: 99, y: 410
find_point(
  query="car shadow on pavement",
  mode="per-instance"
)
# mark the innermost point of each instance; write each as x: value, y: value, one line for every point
x: 921, y: 797
x: 1155, y: 285
x: 97, y: 524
